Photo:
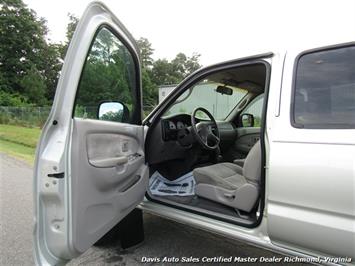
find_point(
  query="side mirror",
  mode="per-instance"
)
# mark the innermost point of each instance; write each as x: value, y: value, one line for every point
x: 247, y: 120
x: 113, y: 111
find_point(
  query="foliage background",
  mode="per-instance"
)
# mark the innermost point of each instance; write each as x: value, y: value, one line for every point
x: 30, y: 64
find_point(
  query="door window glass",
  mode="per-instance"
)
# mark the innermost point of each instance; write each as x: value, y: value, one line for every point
x: 324, y: 91
x: 108, y: 87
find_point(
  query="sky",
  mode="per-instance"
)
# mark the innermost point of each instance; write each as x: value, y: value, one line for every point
x: 219, y: 30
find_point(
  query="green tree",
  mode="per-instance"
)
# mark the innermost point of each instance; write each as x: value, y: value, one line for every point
x: 154, y: 73
x: 34, y: 87
x: 51, y: 70
x: 146, y: 52
x: 10, y: 99
x: 192, y: 63
x: 183, y: 66
x: 108, y: 74
x: 112, y: 116
x: 149, y: 88
x: 162, y: 73
x: 24, y: 47
x: 165, y: 72
x: 73, y: 22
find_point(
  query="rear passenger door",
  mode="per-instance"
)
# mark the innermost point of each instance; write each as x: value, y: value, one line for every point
x: 310, y: 174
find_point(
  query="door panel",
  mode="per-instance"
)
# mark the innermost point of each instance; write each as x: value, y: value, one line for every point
x: 90, y: 173
x: 245, y: 140
x: 110, y: 149
x: 104, y: 195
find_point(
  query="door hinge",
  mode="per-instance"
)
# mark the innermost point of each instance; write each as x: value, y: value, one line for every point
x: 56, y: 175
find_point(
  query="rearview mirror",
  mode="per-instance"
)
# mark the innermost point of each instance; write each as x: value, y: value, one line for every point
x: 247, y: 120
x: 113, y: 111
x: 224, y: 90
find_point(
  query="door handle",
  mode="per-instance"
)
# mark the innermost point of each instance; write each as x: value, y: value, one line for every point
x: 109, y: 162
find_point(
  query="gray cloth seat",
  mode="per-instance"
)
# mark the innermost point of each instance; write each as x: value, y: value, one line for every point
x: 231, y: 184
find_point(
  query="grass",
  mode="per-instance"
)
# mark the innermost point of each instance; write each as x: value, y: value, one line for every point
x: 18, y: 151
x: 19, y: 142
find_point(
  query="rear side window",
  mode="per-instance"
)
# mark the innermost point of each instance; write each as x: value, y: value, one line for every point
x: 324, y: 89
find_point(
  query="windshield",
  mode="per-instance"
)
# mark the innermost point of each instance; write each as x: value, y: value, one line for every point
x: 204, y: 94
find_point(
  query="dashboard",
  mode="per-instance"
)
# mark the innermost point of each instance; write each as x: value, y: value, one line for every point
x: 175, y: 126
x: 171, y: 126
x: 171, y: 139
x: 178, y: 125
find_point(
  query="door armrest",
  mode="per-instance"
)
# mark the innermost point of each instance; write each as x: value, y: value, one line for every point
x: 109, y: 162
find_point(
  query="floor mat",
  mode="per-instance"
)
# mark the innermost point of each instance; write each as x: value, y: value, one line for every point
x: 183, y: 186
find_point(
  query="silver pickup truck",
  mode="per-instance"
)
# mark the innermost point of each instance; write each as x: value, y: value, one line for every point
x: 259, y: 149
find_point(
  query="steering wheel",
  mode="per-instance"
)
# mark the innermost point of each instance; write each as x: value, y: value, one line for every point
x: 205, y: 132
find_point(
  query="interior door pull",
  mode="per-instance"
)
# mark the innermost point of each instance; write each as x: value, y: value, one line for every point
x: 109, y: 162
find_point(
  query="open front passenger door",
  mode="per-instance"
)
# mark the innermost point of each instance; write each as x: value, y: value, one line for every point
x: 89, y: 170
